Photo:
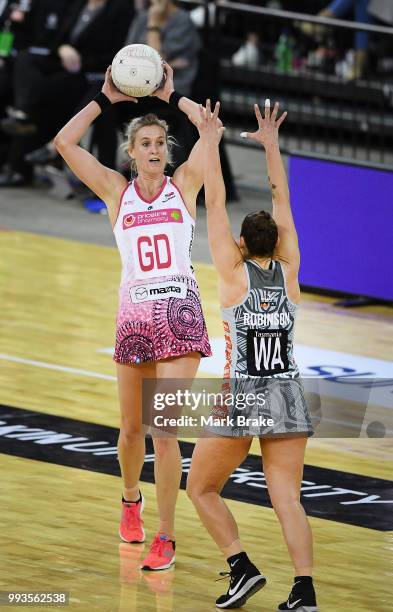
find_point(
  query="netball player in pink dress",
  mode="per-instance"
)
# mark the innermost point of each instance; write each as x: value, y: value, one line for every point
x: 161, y: 332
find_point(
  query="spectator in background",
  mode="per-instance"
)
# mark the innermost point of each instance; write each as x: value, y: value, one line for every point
x: 44, y: 21
x: 356, y: 62
x: 13, y: 19
x: 170, y: 31
x: 382, y: 10
x: 261, y: 31
x: 249, y: 53
x: 48, y: 88
x: 207, y: 85
x: 3, y: 6
x: 13, y: 36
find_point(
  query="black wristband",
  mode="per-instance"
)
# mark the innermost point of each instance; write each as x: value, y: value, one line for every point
x: 103, y: 101
x: 174, y: 99
x: 153, y: 29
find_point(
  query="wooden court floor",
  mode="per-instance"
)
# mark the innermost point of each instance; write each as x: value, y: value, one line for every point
x: 58, y: 524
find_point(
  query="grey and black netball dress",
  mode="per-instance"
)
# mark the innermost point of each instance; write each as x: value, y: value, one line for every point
x: 259, y: 335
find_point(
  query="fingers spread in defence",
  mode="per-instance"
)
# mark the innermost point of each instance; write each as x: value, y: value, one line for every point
x: 267, y: 109
x: 281, y: 119
x: 216, y: 110
x: 275, y: 111
x: 258, y: 115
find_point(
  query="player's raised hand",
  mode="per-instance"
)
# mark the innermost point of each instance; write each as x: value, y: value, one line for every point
x: 268, y: 126
x: 209, y: 124
x: 111, y: 91
x: 167, y: 87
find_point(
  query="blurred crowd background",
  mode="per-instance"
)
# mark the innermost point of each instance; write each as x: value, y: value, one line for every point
x: 329, y: 65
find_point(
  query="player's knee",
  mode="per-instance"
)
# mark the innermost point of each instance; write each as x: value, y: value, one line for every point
x: 197, y: 490
x: 286, y: 507
x: 130, y: 433
x: 165, y: 446
x: 192, y: 490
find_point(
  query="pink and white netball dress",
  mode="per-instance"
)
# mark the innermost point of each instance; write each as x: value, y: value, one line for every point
x: 160, y: 313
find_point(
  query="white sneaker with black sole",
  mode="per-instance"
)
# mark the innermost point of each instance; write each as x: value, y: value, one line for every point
x: 299, y: 608
x: 301, y: 598
x: 245, y: 581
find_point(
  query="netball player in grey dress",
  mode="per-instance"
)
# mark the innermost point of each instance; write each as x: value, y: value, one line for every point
x: 259, y: 293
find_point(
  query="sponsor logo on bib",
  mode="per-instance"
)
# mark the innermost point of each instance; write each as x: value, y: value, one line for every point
x: 158, y: 291
x: 168, y: 196
x: 152, y: 217
x: 269, y: 299
x: 141, y: 293
x: 128, y: 221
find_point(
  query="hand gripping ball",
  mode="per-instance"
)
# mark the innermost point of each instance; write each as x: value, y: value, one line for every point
x: 137, y: 70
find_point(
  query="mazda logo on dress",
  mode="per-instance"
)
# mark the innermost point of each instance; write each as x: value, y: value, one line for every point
x: 141, y: 293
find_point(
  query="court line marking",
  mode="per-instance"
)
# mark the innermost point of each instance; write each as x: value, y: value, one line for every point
x: 53, y: 366
x: 90, y: 374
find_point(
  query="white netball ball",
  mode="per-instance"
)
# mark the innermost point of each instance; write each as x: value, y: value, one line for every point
x: 137, y: 70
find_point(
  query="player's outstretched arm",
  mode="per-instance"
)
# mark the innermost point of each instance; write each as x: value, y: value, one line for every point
x: 267, y: 135
x: 225, y: 252
x: 105, y: 182
x: 187, y: 106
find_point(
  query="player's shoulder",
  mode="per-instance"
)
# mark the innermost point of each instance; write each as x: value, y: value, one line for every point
x: 119, y: 182
x: 233, y: 289
x: 119, y: 186
x: 290, y: 272
x: 180, y: 175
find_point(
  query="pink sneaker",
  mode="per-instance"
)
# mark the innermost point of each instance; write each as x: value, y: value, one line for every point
x: 131, y: 523
x: 161, y: 555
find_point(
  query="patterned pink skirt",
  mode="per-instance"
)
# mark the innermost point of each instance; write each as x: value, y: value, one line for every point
x: 161, y: 328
